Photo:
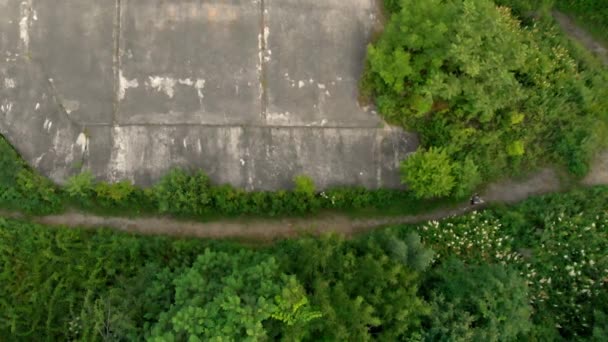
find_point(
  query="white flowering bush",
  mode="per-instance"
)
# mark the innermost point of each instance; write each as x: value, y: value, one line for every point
x: 475, y: 237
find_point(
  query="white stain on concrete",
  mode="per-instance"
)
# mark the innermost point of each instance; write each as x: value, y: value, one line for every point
x: 242, y: 161
x: 9, y: 83
x: 278, y: 118
x: 260, y: 52
x: 83, y: 142
x: 24, y: 24
x: 301, y: 84
x: 199, y: 86
x: 199, y: 147
x: 185, y: 143
x: 266, y: 35
x: 317, y: 123
x: 6, y: 107
x: 37, y: 106
x: 47, y: 124
x: 39, y: 159
x: 321, y: 85
x: 118, y: 161
x: 186, y: 81
x: 124, y: 84
x: 163, y: 84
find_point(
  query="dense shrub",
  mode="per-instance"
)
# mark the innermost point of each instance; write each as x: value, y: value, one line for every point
x: 192, y: 195
x: 485, y: 90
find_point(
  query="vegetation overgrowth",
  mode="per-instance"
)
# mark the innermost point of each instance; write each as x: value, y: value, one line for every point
x: 536, y: 271
x: 189, y: 195
x: 490, y: 95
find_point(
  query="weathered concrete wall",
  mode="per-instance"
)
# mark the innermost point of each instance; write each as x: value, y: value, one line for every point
x: 252, y: 91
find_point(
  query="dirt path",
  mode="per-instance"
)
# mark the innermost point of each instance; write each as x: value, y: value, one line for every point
x: 582, y: 36
x: 267, y: 229
x: 508, y: 191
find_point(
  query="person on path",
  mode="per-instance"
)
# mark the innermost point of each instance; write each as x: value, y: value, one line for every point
x: 476, y: 200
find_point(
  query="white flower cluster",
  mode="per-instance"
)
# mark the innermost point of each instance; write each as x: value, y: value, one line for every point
x: 476, y: 238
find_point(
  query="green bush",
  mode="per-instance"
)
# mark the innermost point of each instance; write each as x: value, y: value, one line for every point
x: 80, y: 187
x: 429, y: 173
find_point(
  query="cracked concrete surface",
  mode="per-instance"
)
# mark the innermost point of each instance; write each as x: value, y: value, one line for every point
x: 253, y: 92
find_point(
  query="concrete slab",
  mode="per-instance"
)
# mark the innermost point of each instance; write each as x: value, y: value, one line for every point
x: 10, y: 42
x: 73, y: 42
x: 190, y: 62
x: 253, y: 92
x: 314, y: 53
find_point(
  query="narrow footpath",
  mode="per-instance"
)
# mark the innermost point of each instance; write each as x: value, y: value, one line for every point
x: 545, y: 181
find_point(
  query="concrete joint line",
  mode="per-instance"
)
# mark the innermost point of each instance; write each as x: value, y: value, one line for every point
x: 116, y: 58
x: 262, y: 37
